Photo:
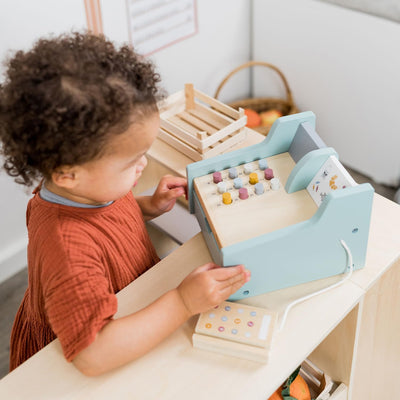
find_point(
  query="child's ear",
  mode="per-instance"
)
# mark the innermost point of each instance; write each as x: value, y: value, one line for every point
x: 65, y: 177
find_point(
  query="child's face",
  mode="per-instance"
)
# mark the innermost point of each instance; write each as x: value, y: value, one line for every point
x: 113, y: 175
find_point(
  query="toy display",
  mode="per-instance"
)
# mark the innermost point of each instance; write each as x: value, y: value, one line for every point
x: 281, y: 208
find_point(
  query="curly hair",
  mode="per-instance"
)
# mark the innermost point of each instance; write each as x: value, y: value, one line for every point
x: 61, y: 101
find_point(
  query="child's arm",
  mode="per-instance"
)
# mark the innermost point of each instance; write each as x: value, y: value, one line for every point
x: 164, y: 198
x: 125, y: 339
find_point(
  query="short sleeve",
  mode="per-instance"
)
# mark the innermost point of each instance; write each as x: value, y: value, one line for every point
x: 78, y: 297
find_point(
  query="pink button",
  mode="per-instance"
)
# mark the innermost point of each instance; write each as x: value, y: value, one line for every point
x: 243, y: 194
x: 268, y: 173
x: 217, y: 177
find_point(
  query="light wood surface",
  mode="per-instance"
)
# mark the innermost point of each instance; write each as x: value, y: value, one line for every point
x: 259, y: 214
x: 377, y: 360
x: 175, y: 370
x: 172, y: 370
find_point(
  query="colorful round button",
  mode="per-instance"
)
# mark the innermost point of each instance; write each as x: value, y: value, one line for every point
x: 268, y: 174
x: 253, y: 178
x: 233, y: 173
x: 237, y: 183
x: 243, y: 194
x: 248, y: 168
x: 217, y: 177
x: 275, y: 184
x: 259, y: 188
x: 262, y: 164
x: 221, y: 187
x: 226, y: 198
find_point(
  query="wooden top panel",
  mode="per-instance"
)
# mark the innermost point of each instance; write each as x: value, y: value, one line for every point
x: 259, y: 214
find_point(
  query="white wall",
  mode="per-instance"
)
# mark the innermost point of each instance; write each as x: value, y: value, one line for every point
x: 222, y: 43
x: 21, y: 23
x: 343, y: 65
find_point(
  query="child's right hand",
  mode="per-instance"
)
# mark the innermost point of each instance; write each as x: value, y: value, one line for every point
x: 209, y: 285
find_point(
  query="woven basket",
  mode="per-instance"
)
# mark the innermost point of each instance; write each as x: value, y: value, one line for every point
x: 260, y: 104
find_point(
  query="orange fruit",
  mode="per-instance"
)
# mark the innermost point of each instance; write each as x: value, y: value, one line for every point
x: 298, y: 389
x: 253, y: 118
x: 276, y: 395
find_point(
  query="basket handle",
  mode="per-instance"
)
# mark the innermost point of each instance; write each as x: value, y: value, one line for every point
x: 257, y: 63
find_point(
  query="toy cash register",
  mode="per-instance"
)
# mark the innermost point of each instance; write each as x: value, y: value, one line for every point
x: 281, y: 208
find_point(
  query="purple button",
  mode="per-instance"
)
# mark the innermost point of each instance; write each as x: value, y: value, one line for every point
x: 268, y: 173
x: 243, y: 194
x: 217, y: 177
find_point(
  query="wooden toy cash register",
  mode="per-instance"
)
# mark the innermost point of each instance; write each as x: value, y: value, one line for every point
x: 281, y: 208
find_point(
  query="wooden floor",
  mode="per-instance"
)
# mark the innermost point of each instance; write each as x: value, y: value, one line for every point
x: 12, y: 290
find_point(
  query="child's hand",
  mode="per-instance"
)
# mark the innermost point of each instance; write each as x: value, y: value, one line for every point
x: 209, y: 285
x: 168, y: 190
x: 164, y: 198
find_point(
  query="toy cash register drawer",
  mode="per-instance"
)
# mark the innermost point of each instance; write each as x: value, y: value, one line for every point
x: 281, y: 208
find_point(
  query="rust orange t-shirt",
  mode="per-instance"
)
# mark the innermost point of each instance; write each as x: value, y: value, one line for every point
x: 78, y: 258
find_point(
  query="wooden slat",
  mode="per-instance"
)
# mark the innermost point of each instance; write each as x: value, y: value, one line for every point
x: 189, y: 96
x: 217, y: 104
x: 183, y: 124
x: 181, y: 133
x: 180, y: 146
x: 197, y: 122
x: 229, y: 130
x: 225, y: 145
x: 204, y: 115
x: 214, y: 116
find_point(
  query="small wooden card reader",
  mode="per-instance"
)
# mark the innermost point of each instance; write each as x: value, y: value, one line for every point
x: 237, y: 330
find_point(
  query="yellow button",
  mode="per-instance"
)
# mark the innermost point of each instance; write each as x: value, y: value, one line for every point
x: 226, y: 198
x: 253, y: 178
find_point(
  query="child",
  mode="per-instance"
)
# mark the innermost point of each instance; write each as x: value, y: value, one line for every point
x: 80, y: 115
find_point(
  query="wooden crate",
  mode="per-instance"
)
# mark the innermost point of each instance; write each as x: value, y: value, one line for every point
x: 199, y: 126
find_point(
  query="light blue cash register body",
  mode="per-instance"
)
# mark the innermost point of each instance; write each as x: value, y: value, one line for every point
x: 281, y: 208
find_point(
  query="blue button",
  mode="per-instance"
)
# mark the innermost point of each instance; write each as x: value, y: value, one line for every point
x: 262, y: 164
x: 259, y: 188
x: 233, y: 173
x: 237, y: 183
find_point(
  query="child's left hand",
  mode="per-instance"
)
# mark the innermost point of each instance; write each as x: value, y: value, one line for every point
x: 164, y: 198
